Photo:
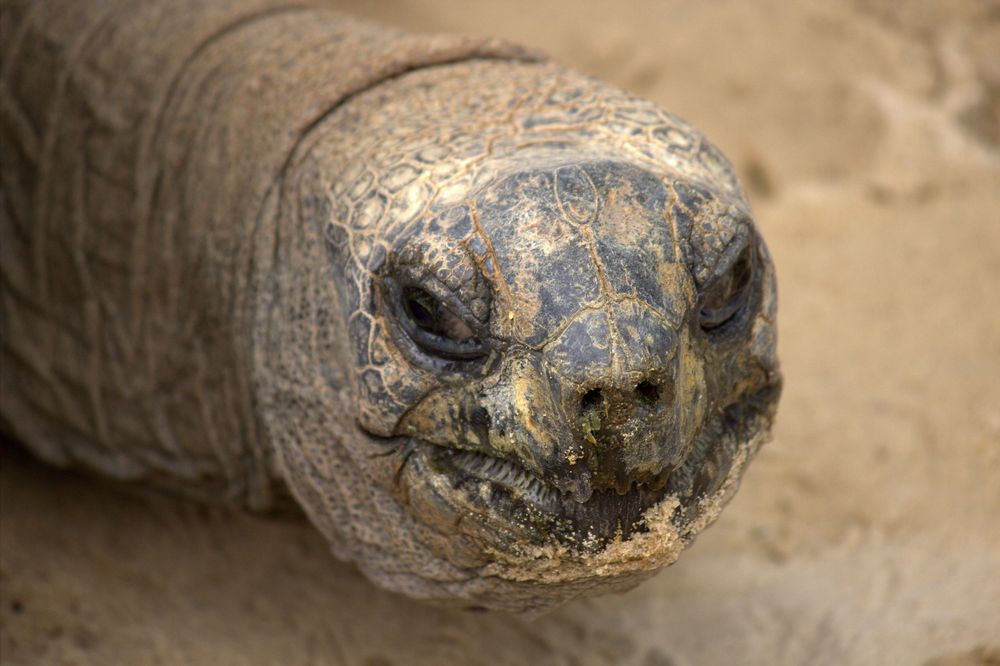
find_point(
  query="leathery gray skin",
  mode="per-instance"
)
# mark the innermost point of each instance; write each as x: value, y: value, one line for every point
x: 537, y: 332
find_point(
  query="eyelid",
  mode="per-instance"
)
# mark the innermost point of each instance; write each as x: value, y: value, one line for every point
x: 429, y: 342
x: 449, y: 301
x: 717, y: 318
x: 417, y: 275
x: 743, y: 236
x: 456, y: 328
x: 446, y: 321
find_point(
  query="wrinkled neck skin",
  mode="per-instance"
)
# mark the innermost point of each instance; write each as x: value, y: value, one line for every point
x: 573, y: 230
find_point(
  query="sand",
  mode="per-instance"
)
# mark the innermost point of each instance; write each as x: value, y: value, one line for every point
x: 867, y: 532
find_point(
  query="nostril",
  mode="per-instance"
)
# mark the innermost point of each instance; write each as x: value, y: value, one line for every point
x: 648, y: 392
x: 591, y: 398
x: 480, y: 418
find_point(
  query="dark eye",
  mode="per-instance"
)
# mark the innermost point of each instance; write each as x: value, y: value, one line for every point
x: 436, y: 328
x: 728, y: 294
x: 420, y: 307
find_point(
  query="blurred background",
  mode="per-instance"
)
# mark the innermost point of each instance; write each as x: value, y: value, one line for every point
x: 867, y: 134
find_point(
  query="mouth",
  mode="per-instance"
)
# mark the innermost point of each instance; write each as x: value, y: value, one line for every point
x: 502, y: 493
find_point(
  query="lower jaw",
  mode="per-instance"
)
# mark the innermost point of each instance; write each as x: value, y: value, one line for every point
x: 516, y: 513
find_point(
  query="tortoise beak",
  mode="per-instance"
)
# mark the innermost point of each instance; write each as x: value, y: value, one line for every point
x: 529, y: 425
x: 513, y: 415
x: 592, y: 429
x: 575, y: 434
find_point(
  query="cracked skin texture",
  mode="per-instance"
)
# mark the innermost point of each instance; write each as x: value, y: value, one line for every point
x: 213, y: 232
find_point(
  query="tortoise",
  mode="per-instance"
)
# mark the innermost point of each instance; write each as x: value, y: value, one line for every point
x: 504, y: 333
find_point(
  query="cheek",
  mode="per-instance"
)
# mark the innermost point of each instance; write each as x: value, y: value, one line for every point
x: 764, y: 344
x: 769, y: 283
x: 692, y: 388
x: 386, y: 383
x: 764, y: 334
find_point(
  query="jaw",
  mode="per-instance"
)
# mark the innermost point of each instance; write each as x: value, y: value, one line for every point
x: 508, y: 509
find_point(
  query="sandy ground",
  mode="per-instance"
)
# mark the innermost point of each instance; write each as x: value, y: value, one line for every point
x: 867, y: 532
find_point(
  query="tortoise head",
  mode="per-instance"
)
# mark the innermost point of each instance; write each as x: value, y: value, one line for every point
x: 561, y: 345
x: 567, y: 333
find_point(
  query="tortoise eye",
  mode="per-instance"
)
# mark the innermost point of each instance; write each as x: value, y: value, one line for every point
x: 728, y: 294
x: 420, y: 307
x: 436, y: 329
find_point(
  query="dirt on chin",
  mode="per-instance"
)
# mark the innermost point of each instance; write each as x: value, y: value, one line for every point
x: 867, y: 532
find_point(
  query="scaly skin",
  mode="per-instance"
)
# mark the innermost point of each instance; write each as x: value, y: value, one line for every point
x: 506, y: 334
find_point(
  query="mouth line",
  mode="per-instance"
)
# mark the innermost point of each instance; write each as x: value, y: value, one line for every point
x: 475, y: 465
x: 498, y: 488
